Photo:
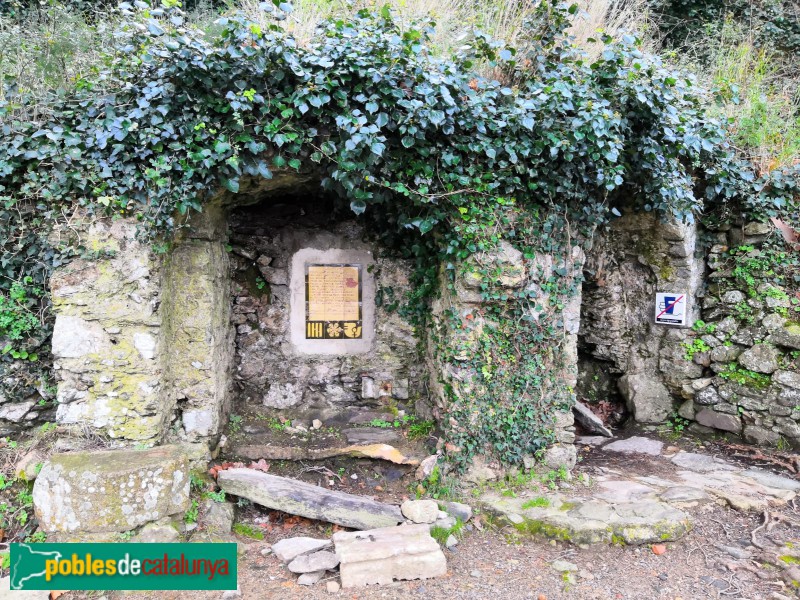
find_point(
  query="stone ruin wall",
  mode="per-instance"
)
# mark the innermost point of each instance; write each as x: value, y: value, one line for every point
x: 649, y: 364
x: 155, y: 348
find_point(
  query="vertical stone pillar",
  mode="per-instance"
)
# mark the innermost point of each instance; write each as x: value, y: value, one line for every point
x: 105, y: 340
x: 197, y: 337
x: 461, y: 322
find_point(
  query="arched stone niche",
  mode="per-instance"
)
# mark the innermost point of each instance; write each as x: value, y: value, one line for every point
x: 307, y: 349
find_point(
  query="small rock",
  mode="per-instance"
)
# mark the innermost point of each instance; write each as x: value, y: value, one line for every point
x: 420, y: 511
x: 738, y: 553
x: 446, y: 523
x: 157, y: 533
x: 460, y: 511
x: 289, y: 549
x: 585, y: 575
x: 266, y: 551
x: 218, y: 516
x: 451, y: 542
x: 28, y: 466
x: 475, y: 574
x: 426, y: 467
x: 310, y: 578
x: 232, y: 594
x: 658, y: 549
x: 563, y: 566
x: 332, y: 587
x: 515, y: 519
x: 316, y: 424
x: 318, y: 561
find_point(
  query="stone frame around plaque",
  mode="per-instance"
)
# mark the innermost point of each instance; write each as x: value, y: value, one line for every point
x: 298, y: 307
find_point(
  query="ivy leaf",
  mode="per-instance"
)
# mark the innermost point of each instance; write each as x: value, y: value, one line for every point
x: 231, y: 185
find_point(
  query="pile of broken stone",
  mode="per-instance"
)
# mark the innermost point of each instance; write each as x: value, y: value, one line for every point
x: 375, y: 556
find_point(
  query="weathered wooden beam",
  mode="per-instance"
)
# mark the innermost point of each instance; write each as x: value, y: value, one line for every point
x: 306, y: 500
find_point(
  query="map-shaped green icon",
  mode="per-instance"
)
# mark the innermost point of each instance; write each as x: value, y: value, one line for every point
x: 27, y: 563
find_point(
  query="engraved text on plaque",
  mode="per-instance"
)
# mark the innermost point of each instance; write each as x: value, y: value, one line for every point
x: 333, y: 301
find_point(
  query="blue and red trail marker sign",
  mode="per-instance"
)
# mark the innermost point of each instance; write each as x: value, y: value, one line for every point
x: 671, y: 308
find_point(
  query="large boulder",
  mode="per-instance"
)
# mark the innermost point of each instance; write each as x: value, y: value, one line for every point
x: 111, y: 491
x: 646, y: 396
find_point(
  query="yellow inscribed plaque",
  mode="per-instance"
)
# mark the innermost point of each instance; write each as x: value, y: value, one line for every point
x: 333, y: 301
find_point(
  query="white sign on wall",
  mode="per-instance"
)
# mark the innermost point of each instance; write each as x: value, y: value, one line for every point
x: 671, y: 308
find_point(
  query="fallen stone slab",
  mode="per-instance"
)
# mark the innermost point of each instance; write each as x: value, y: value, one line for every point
x: 636, y: 445
x: 682, y: 494
x: 112, y: 490
x: 306, y: 500
x: 590, y: 421
x: 314, y: 562
x: 290, y: 548
x: 623, y: 491
x: 380, y: 556
x: 275, y: 452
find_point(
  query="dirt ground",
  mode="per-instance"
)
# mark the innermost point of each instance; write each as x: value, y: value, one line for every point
x: 497, y: 563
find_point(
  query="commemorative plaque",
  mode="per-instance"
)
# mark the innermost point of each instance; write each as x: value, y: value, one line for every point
x: 333, y: 302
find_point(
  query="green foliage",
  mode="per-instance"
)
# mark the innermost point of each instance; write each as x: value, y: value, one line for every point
x: 774, y: 23
x: 420, y: 429
x: 695, y: 346
x: 235, y: 423
x: 248, y: 531
x: 446, y: 163
x: 440, y: 534
x: 215, y: 496
x: 538, y: 502
x: 38, y: 537
x: 190, y: 516
x: 703, y: 327
x: 737, y: 374
x: 678, y: 424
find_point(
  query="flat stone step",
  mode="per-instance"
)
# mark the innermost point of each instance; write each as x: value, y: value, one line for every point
x: 306, y: 500
x: 371, y: 435
x: 592, y: 521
